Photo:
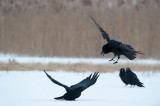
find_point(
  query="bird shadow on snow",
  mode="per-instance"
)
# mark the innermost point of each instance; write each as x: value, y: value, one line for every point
x: 39, y: 100
x: 53, y: 100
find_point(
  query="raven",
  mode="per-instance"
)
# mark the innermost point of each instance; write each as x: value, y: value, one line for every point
x: 132, y: 78
x: 116, y: 47
x: 122, y: 75
x: 74, y: 91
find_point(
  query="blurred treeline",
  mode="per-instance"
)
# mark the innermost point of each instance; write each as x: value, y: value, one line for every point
x: 64, y: 28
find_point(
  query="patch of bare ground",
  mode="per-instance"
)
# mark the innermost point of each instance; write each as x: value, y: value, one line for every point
x: 77, y: 67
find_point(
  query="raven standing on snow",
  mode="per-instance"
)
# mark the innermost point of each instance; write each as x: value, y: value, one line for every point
x: 74, y: 91
x: 116, y: 47
x: 132, y: 78
x: 122, y: 75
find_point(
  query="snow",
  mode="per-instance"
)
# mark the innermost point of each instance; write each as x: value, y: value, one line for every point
x: 33, y: 88
x: 5, y: 58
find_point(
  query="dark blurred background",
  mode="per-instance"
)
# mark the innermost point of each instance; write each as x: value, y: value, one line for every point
x: 64, y: 27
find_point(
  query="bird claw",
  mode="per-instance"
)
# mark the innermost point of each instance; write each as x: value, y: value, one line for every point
x: 131, y: 86
x: 111, y: 60
x: 125, y: 85
x: 115, y: 62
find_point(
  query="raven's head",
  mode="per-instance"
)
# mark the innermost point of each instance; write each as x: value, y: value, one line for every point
x: 122, y: 70
x: 128, y: 69
x: 105, y: 49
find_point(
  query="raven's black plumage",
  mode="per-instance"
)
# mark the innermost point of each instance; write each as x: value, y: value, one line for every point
x: 116, y: 47
x: 132, y: 78
x: 122, y: 75
x: 74, y: 91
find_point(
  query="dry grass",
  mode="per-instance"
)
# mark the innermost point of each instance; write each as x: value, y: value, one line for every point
x: 64, y: 27
x: 79, y: 67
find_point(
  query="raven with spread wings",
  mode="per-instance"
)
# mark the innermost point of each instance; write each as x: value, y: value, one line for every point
x: 75, y: 91
x: 116, y: 47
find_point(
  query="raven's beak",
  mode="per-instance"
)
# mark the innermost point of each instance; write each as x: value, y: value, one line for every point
x: 102, y: 53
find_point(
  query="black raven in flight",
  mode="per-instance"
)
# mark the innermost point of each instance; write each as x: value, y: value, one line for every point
x: 116, y: 47
x: 122, y: 75
x: 132, y: 78
x: 74, y: 91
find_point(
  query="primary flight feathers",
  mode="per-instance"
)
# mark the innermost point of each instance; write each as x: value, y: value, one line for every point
x: 104, y: 34
x: 74, y: 91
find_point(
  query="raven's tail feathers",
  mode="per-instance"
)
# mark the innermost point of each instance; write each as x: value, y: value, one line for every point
x: 140, y: 85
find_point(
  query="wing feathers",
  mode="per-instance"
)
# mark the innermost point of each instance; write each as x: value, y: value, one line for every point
x: 56, y: 82
x: 128, y: 51
x: 84, y: 84
x: 81, y: 86
x: 104, y: 34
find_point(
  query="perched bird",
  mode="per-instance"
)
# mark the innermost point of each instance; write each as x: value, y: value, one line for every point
x: 122, y: 75
x: 132, y: 78
x: 116, y: 47
x: 75, y: 91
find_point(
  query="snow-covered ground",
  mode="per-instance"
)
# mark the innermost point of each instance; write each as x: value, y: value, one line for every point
x: 5, y: 58
x: 33, y: 88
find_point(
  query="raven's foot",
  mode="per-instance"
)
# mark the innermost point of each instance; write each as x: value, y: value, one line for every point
x: 115, y: 62
x: 111, y: 60
x: 125, y: 85
x: 131, y: 86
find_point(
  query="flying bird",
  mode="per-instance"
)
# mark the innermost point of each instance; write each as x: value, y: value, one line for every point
x: 116, y: 47
x: 75, y: 91
x: 132, y: 78
x: 122, y: 76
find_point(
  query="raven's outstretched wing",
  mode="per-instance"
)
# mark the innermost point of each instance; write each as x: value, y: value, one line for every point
x: 87, y: 82
x: 56, y: 82
x: 104, y: 34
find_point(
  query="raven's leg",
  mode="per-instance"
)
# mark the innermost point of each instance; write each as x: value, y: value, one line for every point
x: 113, y: 58
x: 125, y: 85
x: 117, y: 60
